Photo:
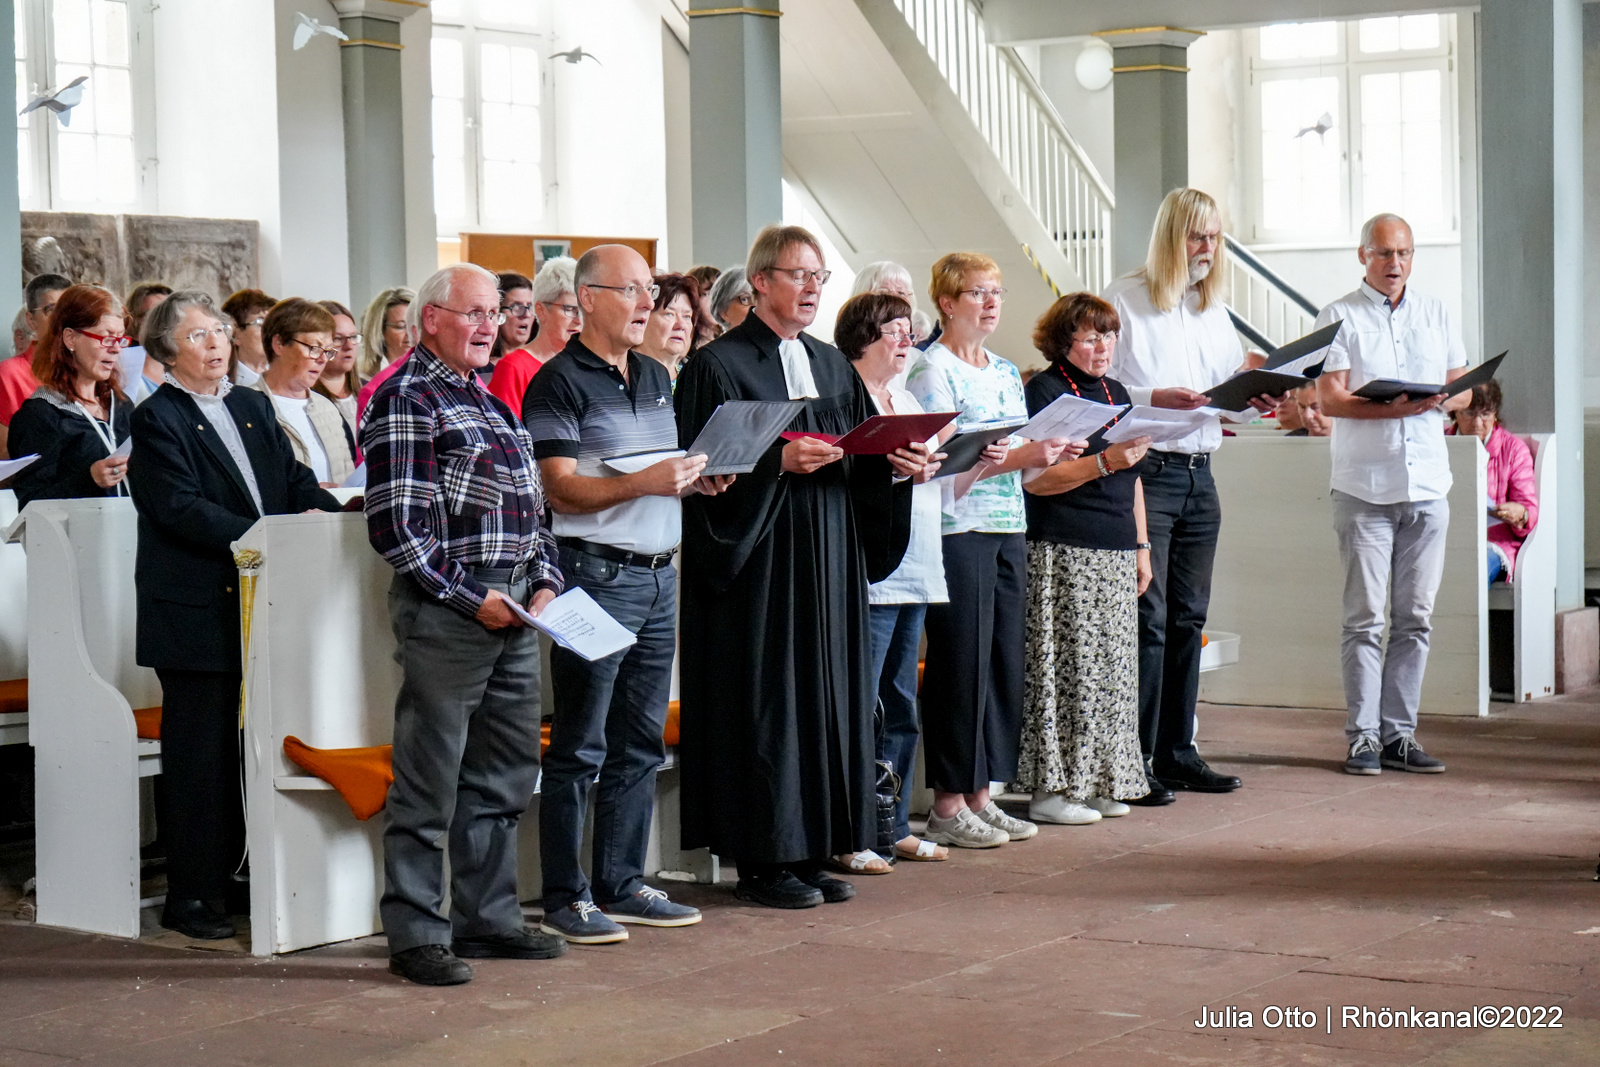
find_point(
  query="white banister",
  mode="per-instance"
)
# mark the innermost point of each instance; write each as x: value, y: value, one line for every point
x: 1011, y: 111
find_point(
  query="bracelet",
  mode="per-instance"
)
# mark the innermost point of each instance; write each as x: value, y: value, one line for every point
x: 1142, y: 546
x: 1100, y: 462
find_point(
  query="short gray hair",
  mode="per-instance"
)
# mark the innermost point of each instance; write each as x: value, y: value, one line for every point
x: 437, y: 289
x: 729, y: 286
x: 875, y: 274
x: 160, y: 333
x: 1378, y: 220
x: 554, y: 278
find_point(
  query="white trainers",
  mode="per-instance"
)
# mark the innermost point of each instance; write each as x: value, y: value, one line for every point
x: 1108, y: 808
x: 1055, y: 808
x: 1016, y: 829
x: 964, y: 830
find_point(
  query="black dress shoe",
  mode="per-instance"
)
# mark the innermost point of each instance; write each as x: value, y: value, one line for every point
x: 196, y: 919
x: 833, y: 890
x: 1198, y: 778
x: 1158, y: 795
x: 430, y: 965
x: 524, y: 944
x: 777, y: 889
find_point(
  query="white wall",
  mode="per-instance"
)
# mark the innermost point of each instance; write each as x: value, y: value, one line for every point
x: 679, y: 171
x: 416, y: 108
x: 610, y: 141
x: 1088, y: 115
x: 314, y: 247
x: 217, y: 129
x: 1591, y: 196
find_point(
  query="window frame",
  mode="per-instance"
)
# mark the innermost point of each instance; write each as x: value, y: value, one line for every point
x: 1348, y: 66
x: 473, y: 33
x: 43, y: 128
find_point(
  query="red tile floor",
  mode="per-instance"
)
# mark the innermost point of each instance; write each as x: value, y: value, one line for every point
x: 1307, y: 889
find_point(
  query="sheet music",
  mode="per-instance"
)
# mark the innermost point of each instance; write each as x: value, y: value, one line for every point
x: 11, y: 467
x: 1161, y: 425
x: 575, y: 622
x: 641, y: 460
x: 1071, y: 417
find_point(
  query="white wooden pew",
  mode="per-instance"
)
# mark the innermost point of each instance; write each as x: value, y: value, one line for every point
x: 1531, y: 595
x: 84, y: 686
x: 13, y: 621
x: 1278, y: 582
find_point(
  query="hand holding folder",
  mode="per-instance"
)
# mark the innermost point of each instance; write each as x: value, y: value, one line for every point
x: 1384, y: 390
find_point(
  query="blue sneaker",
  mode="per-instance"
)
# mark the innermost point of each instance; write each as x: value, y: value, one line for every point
x: 650, y: 907
x: 1404, y: 754
x: 1363, y: 756
x: 581, y: 923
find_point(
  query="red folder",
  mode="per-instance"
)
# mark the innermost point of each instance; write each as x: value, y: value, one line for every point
x: 881, y: 435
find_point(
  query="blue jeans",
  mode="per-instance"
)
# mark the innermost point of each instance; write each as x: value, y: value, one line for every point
x: 1497, y: 566
x: 609, y: 715
x: 896, y: 633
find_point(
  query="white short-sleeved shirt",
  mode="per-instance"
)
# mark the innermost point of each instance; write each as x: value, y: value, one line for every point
x: 920, y: 577
x: 943, y: 381
x: 1389, y: 461
x: 1184, y: 347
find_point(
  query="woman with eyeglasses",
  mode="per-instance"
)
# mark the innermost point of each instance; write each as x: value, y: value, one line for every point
x: 208, y: 461
x: 248, y: 309
x: 339, y: 382
x: 972, y: 688
x: 299, y: 340
x: 1088, y: 563
x: 78, y: 417
x: 385, y: 331
x: 556, y: 317
x: 731, y: 298
x: 516, y: 302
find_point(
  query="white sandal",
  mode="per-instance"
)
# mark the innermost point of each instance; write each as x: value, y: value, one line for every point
x: 862, y: 863
x: 925, y: 852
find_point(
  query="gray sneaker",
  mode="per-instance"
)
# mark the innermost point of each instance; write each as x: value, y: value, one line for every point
x: 964, y: 830
x: 1363, y: 758
x: 582, y: 923
x: 650, y: 907
x: 1015, y: 828
x: 1404, y: 754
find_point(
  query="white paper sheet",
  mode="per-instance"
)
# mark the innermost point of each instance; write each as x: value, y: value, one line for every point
x: 1159, y: 424
x: 636, y: 463
x: 10, y: 467
x: 123, y: 449
x: 575, y: 622
x: 357, y: 479
x: 1071, y: 417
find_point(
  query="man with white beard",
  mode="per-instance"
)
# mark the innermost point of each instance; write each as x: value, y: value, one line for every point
x: 1177, y: 340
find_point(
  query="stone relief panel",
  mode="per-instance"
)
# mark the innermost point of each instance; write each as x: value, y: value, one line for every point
x: 118, y: 251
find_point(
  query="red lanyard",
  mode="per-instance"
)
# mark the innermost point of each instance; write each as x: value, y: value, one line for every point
x: 1074, y: 387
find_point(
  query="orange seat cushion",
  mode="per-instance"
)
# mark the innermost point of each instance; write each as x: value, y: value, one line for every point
x: 13, y: 696
x: 361, y: 775
x: 147, y: 723
x: 1204, y: 640
x: 669, y: 734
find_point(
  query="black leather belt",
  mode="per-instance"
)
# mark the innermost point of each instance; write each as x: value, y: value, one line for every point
x: 617, y: 555
x: 509, y: 575
x: 1192, y: 460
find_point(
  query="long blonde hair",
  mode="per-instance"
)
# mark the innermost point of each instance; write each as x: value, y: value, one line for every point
x: 1166, y: 268
x: 372, y: 358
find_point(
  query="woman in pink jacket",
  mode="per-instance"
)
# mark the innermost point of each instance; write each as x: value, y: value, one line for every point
x: 1513, y: 494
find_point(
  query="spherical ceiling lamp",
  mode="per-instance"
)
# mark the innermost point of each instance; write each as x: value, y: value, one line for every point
x: 1093, y: 67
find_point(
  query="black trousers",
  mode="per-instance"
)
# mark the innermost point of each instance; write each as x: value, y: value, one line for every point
x: 1183, y: 518
x: 972, y: 687
x: 201, y: 809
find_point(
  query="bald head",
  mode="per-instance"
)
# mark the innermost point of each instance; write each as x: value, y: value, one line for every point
x: 1386, y: 251
x: 613, y: 320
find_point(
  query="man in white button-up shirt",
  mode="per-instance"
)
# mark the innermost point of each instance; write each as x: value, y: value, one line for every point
x: 1177, y: 340
x: 1390, y: 476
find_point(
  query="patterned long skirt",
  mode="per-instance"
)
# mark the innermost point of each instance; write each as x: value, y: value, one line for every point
x: 1080, y: 726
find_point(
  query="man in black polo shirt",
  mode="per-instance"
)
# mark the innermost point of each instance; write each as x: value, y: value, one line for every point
x: 617, y: 533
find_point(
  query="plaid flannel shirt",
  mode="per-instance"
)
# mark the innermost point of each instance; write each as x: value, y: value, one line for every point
x: 451, y: 483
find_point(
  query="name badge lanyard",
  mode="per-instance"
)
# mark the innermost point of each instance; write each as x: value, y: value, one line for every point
x: 105, y: 432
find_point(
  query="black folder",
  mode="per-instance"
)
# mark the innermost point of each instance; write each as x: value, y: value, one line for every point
x: 1236, y: 393
x: 962, y: 452
x: 1384, y: 390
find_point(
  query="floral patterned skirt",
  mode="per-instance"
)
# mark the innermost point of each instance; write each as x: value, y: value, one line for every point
x: 1080, y: 726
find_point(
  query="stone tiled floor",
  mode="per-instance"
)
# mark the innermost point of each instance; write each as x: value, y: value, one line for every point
x: 1090, y: 945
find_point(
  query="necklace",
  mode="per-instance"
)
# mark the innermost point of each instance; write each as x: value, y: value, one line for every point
x: 1077, y: 393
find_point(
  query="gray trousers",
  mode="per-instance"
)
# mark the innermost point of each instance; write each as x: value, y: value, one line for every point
x: 1393, y: 555
x: 466, y: 760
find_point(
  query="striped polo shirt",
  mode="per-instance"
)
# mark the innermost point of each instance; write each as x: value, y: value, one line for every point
x: 579, y: 406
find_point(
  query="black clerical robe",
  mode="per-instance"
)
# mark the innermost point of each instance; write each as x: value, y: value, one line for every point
x: 776, y: 687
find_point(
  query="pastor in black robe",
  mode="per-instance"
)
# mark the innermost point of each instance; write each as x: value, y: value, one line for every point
x: 776, y: 689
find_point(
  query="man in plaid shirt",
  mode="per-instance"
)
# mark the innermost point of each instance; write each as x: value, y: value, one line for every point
x: 454, y: 503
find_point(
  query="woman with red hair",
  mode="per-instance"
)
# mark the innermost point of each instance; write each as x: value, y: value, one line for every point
x: 79, y: 415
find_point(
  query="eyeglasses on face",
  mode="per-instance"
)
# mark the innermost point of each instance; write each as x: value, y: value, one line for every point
x: 346, y: 340
x: 799, y: 275
x: 251, y: 324
x: 396, y: 326
x: 109, y: 340
x: 900, y: 335
x: 314, y: 351
x: 222, y: 331
x: 746, y: 300
x: 477, y: 318
x: 566, y: 309
x: 981, y: 295
x: 630, y: 292
x: 516, y: 310
x: 1095, y: 340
